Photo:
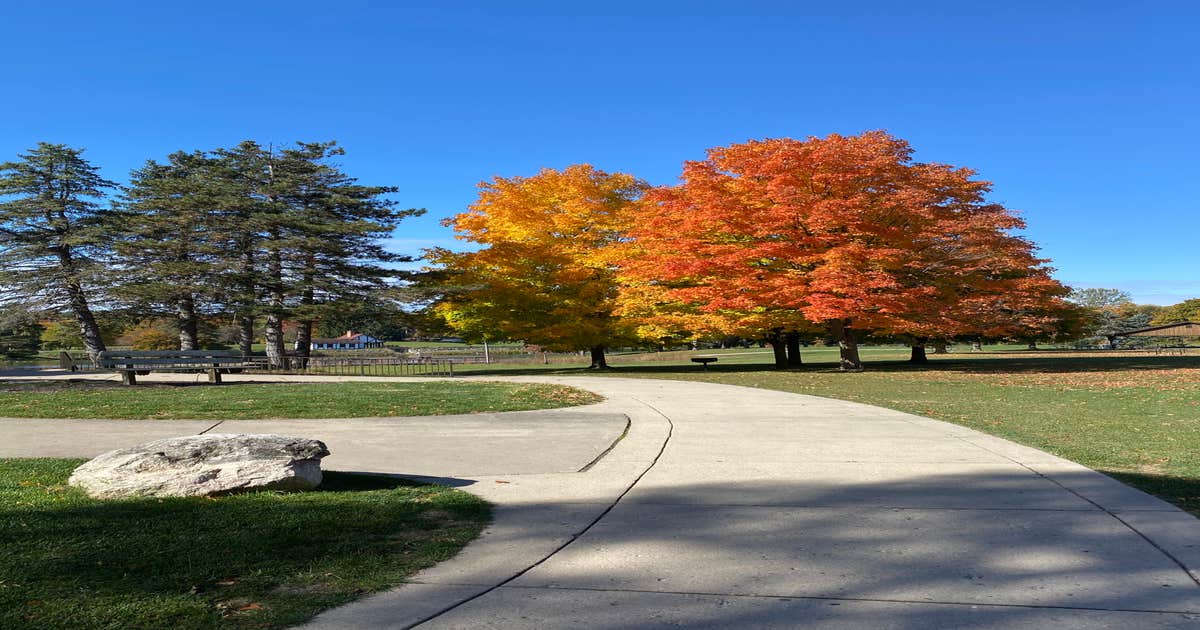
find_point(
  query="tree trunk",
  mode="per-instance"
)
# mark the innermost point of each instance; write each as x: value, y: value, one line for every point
x: 918, y: 351
x: 304, y: 332
x: 304, y: 342
x: 779, y: 348
x: 847, y: 339
x: 276, y: 353
x: 939, y: 347
x: 246, y: 334
x: 185, y: 319
x: 1032, y: 345
x: 792, y: 341
x: 89, y: 330
x: 598, y: 360
x: 246, y: 302
x: 976, y: 345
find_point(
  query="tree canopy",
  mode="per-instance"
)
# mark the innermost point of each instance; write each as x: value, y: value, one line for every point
x: 844, y: 233
x: 52, y: 236
x: 541, y: 275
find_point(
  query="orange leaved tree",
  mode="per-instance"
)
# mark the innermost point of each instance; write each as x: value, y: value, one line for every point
x: 541, y: 275
x: 842, y: 232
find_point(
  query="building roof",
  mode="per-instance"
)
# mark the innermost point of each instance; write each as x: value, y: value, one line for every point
x: 1178, y: 329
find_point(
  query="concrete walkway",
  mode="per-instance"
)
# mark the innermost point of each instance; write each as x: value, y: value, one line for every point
x: 736, y: 507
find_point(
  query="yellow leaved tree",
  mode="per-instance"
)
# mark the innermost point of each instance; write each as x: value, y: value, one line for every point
x: 542, y: 275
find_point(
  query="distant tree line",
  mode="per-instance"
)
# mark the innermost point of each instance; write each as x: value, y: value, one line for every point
x: 253, y: 234
x: 1106, y: 313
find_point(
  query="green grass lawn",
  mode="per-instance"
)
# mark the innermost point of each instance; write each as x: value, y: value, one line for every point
x: 260, y: 560
x: 1136, y: 418
x: 279, y: 400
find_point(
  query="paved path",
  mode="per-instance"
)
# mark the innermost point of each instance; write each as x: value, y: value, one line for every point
x: 735, y: 507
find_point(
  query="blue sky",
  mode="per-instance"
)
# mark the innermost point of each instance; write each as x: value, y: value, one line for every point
x: 1085, y: 115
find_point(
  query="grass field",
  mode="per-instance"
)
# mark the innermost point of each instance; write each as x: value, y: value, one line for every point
x: 260, y: 560
x: 277, y: 400
x: 1134, y: 417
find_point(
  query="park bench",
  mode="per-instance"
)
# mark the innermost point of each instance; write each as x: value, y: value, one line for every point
x: 133, y: 362
x: 704, y: 361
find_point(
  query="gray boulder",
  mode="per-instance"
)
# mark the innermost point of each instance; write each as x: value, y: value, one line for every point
x: 204, y: 465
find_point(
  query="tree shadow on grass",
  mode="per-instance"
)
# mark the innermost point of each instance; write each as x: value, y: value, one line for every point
x: 344, y: 481
x: 259, y: 559
x: 1181, y: 491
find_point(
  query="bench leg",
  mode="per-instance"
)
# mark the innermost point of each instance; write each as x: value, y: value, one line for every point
x: 128, y: 377
x: 214, y: 376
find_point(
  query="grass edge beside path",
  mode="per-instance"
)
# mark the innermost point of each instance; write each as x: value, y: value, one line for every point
x: 255, y: 560
x: 262, y: 401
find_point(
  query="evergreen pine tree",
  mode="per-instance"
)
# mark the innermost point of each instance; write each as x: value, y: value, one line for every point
x: 51, y: 235
x: 166, y: 226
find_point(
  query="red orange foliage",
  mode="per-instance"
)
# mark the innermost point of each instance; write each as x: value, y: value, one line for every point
x: 844, y: 232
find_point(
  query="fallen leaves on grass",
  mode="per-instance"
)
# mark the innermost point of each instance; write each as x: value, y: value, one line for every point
x: 1178, y: 379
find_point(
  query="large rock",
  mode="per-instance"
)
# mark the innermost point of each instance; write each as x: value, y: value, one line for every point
x: 204, y: 465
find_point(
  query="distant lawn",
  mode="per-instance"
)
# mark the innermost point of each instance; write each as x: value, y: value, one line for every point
x: 260, y: 560
x: 1134, y: 417
x: 279, y: 400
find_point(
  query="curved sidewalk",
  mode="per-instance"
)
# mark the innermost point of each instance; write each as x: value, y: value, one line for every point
x: 728, y: 506
x: 735, y: 507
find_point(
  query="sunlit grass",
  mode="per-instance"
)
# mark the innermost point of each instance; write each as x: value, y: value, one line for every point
x: 281, y: 400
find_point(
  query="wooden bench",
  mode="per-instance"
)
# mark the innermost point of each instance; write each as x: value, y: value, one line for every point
x: 133, y: 362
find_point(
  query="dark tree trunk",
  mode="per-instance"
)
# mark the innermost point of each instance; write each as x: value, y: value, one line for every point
x: 185, y: 319
x: 1032, y: 345
x: 792, y: 341
x: 918, y: 351
x: 89, y: 330
x: 598, y: 360
x: 246, y: 334
x: 304, y: 342
x: 304, y: 331
x: 847, y: 339
x: 779, y: 348
x: 939, y: 347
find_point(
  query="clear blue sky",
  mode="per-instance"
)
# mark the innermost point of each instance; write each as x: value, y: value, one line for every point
x: 1086, y: 115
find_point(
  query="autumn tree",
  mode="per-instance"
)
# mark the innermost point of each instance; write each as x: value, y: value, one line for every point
x: 51, y: 235
x: 843, y: 232
x: 1185, y: 311
x: 541, y: 274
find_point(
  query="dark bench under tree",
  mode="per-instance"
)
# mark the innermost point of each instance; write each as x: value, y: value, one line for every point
x: 133, y: 362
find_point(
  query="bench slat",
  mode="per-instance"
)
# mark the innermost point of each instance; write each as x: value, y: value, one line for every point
x: 159, y: 354
x: 197, y: 361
